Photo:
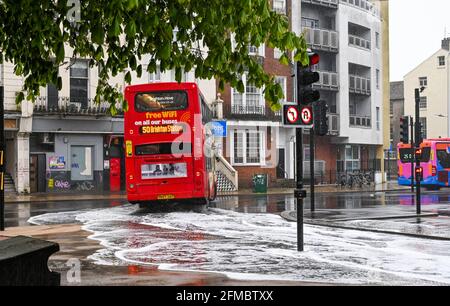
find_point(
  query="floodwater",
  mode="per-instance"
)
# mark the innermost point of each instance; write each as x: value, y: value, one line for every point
x: 246, y: 243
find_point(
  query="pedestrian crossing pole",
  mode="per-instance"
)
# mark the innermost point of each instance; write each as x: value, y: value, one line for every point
x: 2, y: 162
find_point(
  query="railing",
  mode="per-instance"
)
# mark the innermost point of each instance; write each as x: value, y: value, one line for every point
x: 251, y: 112
x: 224, y: 167
x: 72, y: 106
x: 363, y: 5
x: 359, y: 42
x: 361, y: 121
x: 328, y: 3
x: 328, y: 80
x: 360, y: 85
x: 322, y: 39
x: 333, y: 124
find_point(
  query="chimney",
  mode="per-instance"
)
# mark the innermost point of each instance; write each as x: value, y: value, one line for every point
x: 446, y: 43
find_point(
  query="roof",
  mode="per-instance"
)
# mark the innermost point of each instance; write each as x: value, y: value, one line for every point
x: 397, y: 90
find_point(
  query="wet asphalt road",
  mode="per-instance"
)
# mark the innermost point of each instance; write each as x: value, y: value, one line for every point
x: 353, y: 204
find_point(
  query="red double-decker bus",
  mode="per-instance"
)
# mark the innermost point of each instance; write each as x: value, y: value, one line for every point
x: 168, y: 144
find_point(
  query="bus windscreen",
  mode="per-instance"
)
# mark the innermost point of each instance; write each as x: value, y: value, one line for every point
x: 161, y: 101
x: 407, y: 155
x: 443, y: 157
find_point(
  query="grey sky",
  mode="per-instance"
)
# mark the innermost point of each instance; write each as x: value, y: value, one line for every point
x: 416, y: 30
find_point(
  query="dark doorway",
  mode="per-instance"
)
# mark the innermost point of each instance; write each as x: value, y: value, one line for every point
x: 37, y: 173
x: 281, y: 168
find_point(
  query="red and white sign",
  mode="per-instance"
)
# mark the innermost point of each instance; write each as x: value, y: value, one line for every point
x: 292, y: 114
x: 306, y: 115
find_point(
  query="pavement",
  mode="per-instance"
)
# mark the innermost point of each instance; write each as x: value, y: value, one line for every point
x: 45, y: 197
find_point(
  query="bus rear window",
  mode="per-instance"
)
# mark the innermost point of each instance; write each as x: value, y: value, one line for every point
x: 161, y: 101
x: 171, y: 148
x: 406, y: 155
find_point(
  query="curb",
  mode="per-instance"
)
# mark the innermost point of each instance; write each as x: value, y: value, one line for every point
x: 286, y: 215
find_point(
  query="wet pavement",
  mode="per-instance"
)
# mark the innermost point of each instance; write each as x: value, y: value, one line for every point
x: 244, y: 240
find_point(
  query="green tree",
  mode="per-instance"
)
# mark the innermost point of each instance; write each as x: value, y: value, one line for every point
x: 114, y: 34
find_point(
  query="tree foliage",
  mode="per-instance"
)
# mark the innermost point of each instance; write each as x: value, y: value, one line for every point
x: 115, y: 34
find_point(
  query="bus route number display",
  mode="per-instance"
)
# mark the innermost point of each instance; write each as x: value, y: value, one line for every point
x: 161, y: 129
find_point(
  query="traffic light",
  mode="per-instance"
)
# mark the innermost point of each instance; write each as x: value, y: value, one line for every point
x: 404, y: 129
x: 320, y: 110
x: 305, y: 78
x: 418, y: 155
x: 419, y: 174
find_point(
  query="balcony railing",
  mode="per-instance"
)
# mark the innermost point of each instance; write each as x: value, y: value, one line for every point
x: 363, y: 5
x: 360, y: 121
x: 327, y: 3
x: 360, y: 85
x: 359, y: 42
x: 333, y: 124
x: 72, y: 106
x: 322, y: 39
x: 251, y: 112
x: 328, y: 81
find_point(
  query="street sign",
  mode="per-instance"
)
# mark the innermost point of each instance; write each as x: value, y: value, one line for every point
x: 219, y: 128
x: 298, y: 116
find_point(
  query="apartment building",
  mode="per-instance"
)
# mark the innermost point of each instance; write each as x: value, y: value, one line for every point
x: 348, y: 36
x: 433, y: 75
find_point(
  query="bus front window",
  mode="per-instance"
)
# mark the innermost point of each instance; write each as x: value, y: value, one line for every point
x: 443, y: 157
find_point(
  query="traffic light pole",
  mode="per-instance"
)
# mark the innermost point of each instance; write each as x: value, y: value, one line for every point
x: 412, y: 154
x: 311, y: 168
x: 2, y: 160
x: 299, y: 192
x: 418, y: 142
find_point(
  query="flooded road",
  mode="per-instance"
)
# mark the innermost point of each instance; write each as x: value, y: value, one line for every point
x: 256, y: 245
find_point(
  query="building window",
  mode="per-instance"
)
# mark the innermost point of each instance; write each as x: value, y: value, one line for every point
x: 282, y: 81
x: 82, y: 168
x: 256, y: 51
x: 423, y: 81
x: 378, y: 118
x: 277, y: 53
x: 423, y: 122
x: 423, y: 102
x: 247, y: 147
x: 352, y: 158
x: 377, y: 40
x: 310, y: 23
x: 248, y: 102
x: 279, y: 6
x: 79, y: 77
x: 441, y: 60
x: 378, y: 78
x: 391, y: 109
x: 154, y: 77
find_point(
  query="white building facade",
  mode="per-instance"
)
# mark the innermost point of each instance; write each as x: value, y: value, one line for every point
x: 433, y: 75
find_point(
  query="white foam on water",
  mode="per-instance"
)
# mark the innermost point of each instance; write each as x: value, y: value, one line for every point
x: 258, y: 247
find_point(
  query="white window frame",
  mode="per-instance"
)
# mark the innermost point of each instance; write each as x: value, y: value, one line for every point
x: 279, y: 6
x: 282, y: 80
x: 423, y: 81
x: 155, y: 77
x: 377, y: 77
x: 378, y: 115
x: 244, y: 132
x: 244, y: 95
x: 441, y: 64
x: 377, y: 40
x: 277, y: 53
x: 88, y: 78
x: 423, y: 103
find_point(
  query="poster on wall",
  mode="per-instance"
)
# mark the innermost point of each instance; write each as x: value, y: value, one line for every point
x: 56, y: 163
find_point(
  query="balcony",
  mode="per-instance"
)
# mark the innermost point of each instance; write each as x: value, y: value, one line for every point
x: 251, y: 112
x: 363, y: 5
x: 322, y: 39
x: 328, y: 81
x: 360, y: 85
x: 333, y: 124
x: 359, y: 42
x: 326, y: 3
x: 72, y: 106
x: 360, y: 121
